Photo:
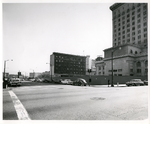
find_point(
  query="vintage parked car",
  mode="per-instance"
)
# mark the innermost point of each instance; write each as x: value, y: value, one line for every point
x: 58, y: 81
x: 135, y: 82
x: 33, y: 80
x: 39, y: 80
x: 145, y: 82
x: 14, y: 81
x: 80, y: 82
x: 66, y: 81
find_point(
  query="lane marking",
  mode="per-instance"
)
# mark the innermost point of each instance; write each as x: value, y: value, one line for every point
x: 20, y: 110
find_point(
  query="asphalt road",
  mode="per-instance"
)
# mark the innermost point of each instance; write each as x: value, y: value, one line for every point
x: 66, y: 102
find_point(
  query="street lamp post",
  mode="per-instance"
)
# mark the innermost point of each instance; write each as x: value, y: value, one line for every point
x: 5, y: 68
x: 112, y: 67
x: 50, y: 70
x: 4, y: 81
x: 112, y: 70
x: 89, y: 70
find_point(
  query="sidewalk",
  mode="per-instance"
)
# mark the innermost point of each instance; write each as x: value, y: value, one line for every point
x: 98, y: 86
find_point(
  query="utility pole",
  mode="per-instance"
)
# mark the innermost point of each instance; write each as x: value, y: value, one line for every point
x: 112, y: 68
x: 4, y: 82
x: 89, y: 70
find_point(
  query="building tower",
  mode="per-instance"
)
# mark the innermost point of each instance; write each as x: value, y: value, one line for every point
x: 128, y: 54
x: 129, y: 23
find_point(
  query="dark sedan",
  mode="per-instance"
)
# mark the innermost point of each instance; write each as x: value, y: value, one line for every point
x: 80, y: 82
x: 135, y: 82
x: 145, y: 82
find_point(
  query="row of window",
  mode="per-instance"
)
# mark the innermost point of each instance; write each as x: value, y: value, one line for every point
x: 68, y: 58
x: 101, y: 67
x: 63, y: 62
x: 128, y: 10
x: 133, y: 36
x: 69, y: 67
x: 138, y: 64
x: 128, y: 27
x: 128, y: 41
x: 115, y: 70
x: 128, y: 15
x: 116, y: 74
x: 79, y: 73
x: 139, y: 71
x: 131, y: 52
x: 132, y: 32
x: 70, y: 71
x: 128, y: 24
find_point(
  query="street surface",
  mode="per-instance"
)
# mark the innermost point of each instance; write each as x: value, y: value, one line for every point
x: 67, y: 102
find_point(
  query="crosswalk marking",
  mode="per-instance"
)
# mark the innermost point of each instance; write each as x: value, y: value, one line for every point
x: 20, y: 110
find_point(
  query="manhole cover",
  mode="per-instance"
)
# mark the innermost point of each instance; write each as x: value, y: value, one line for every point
x: 97, y: 98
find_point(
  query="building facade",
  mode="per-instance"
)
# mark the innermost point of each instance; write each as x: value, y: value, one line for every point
x: 129, y: 52
x: 129, y: 21
x: 67, y: 64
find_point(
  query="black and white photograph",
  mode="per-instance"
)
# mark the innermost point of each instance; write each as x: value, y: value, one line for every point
x: 74, y: 75
x: 75, y: 61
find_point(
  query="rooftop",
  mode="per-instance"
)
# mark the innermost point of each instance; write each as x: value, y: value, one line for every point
x: 115, y: 6
x: 122, y: 46
x: 67, y: 54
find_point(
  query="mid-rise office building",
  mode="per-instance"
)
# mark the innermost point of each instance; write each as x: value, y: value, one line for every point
x: 67, y: 64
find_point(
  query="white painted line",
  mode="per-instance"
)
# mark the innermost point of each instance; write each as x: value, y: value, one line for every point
x: 20, y: 110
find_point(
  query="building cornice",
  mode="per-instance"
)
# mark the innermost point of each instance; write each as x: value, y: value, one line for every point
x: 57, y: 53
x: 115, y: 6
x: 115, y: 47
x: 127, y: 55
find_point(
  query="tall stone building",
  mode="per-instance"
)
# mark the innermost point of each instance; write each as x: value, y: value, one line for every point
x: 129, y: 21
x: 129, y: 51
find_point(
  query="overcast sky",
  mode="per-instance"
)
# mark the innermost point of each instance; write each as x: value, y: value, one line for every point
x: 32, y: 32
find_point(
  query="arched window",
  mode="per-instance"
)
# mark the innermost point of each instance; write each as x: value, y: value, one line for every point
x: 138, y: 64
x: 135, y: 52
x: 131, y: 51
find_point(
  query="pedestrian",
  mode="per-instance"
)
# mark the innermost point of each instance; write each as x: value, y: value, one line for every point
x: 90, y: 81
x: 117, y: 83
x: 108, y: 83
